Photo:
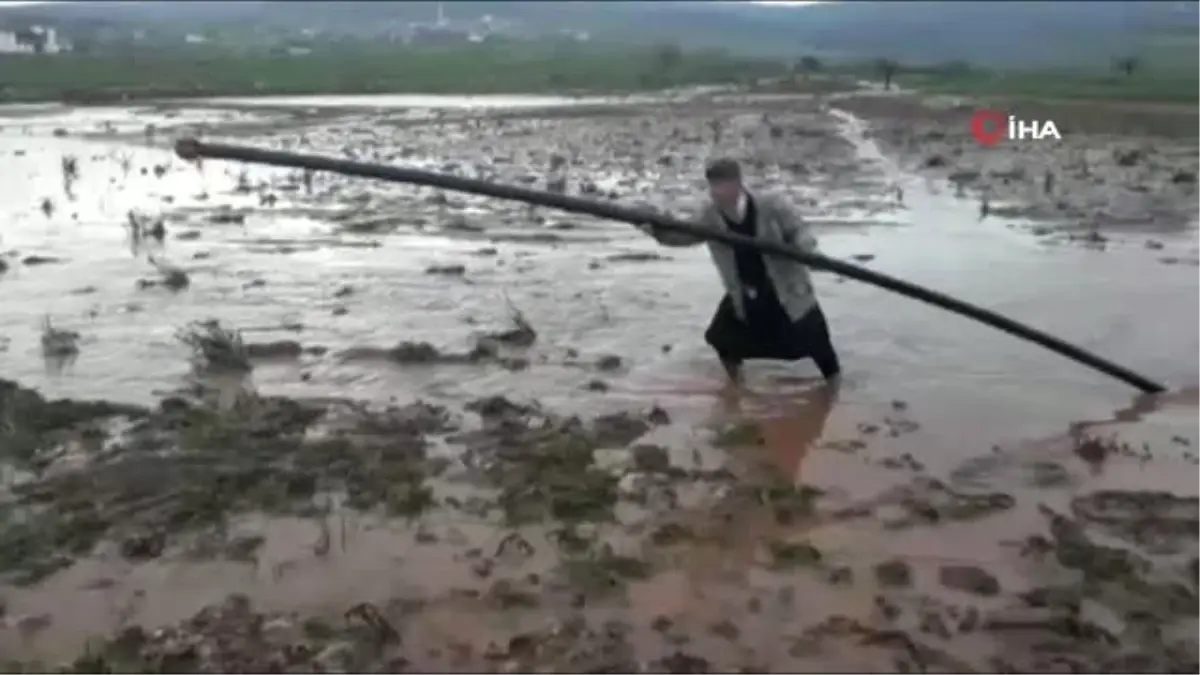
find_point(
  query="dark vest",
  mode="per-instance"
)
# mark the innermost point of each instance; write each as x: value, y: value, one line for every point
x: 751, y: 269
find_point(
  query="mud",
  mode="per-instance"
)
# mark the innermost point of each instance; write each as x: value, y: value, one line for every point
x: 1121, y: 170
x: 361, y: 427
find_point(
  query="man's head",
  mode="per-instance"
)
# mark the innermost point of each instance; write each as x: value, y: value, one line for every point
x: 724, y: 178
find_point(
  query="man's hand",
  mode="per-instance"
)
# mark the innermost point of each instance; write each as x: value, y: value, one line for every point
x: 668, y: 238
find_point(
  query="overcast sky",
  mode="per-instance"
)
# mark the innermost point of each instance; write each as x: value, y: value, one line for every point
x: 4, y: 3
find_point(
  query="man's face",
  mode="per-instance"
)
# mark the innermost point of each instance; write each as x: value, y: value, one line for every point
x: 725, y: 193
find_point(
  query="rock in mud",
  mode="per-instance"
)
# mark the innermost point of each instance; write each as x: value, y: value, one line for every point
x: 636, y: 257
x: 621, y: 429
x: 609, y: 363
x: 279, y: 349
x: 790, y: 555
x: 651, y: 458
x: 414, y: 352
x: 893, y: 574
x: 968, y: 579
x: 447, y: 270
x: 144, y: 546
x: 227, y: 218
x: 36, y: 260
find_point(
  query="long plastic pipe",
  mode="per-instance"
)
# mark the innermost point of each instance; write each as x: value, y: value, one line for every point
x: 192, y: 149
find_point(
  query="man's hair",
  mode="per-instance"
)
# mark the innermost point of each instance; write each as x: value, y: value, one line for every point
x: 723, y: 169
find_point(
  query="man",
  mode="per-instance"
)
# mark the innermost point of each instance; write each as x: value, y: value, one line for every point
x: 769, y: 310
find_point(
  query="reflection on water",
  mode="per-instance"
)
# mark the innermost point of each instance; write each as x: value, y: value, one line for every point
x: 789, y: 429
x: 785, y: 434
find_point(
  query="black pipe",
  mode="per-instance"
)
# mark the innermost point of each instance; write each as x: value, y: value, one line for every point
x: 192, y: 149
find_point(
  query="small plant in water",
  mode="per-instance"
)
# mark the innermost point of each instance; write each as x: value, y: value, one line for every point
x: 523, y: 333
x: 70, y: 170
x: 141, y: 225
x: 214, y: 348
x: 56, y: 342
x: 173, y: 277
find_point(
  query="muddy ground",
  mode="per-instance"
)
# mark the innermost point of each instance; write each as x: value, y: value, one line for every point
x: 1118, y: 167
x: 359, y: 427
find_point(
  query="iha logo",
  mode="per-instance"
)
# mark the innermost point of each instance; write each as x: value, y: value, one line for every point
x: 989, y: 127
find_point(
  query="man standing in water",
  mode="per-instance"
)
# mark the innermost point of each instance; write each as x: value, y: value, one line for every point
x: 769, y: 310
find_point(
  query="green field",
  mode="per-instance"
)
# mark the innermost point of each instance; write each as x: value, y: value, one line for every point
x: 1166, y: 73
x: 1163, y: 67
x: 482, y: 69
x: 1145, y: 87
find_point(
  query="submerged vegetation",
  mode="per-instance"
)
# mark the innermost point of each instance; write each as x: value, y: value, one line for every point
x: 177, y: 481
x: 214, y: 347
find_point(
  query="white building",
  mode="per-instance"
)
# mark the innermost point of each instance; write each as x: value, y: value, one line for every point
x: 29, y: 41
x: 10, y: 45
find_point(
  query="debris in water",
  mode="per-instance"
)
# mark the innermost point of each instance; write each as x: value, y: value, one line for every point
x: 215, y: 348
x: 57, y: 342
x: 173, y: 277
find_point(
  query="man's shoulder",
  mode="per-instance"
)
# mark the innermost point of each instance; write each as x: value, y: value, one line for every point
x: 772, y: 201
x: 709, y: 213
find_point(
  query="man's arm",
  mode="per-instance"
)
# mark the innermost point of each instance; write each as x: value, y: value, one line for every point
x: 673, y: 239
x: 676, y: 239
x: 794, y: 229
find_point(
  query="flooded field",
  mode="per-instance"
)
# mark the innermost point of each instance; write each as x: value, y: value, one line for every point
x: 446, y: 411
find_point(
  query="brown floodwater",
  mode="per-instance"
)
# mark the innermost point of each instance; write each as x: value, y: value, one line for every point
x: 958, y: 387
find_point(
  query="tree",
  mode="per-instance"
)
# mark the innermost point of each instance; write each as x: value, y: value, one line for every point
x: 1126, y: 65
x: 667, y: 58
x: 887, y: 69
x: 807, y: 65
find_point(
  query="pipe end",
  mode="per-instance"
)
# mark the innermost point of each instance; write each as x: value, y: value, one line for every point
x: 188, y: 148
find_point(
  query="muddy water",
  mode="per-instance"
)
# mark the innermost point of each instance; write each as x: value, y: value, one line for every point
x: 960, y: 388
x: 281, y: 269
x: 425, y: 101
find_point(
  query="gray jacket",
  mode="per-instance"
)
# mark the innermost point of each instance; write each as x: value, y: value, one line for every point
x: 777, y: 221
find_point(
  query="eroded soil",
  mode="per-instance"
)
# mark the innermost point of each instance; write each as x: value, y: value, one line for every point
x: 1120, y: 169
x: 364, y: 428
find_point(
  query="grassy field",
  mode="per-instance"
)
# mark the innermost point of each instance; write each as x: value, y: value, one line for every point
x: 1159, y: 102
x: 1166, y: 75
x: 1173, y: 87
x: 1163, y: 68
x: 482, y: 69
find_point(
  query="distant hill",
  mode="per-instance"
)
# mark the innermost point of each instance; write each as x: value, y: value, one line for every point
x: 996, y: 33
